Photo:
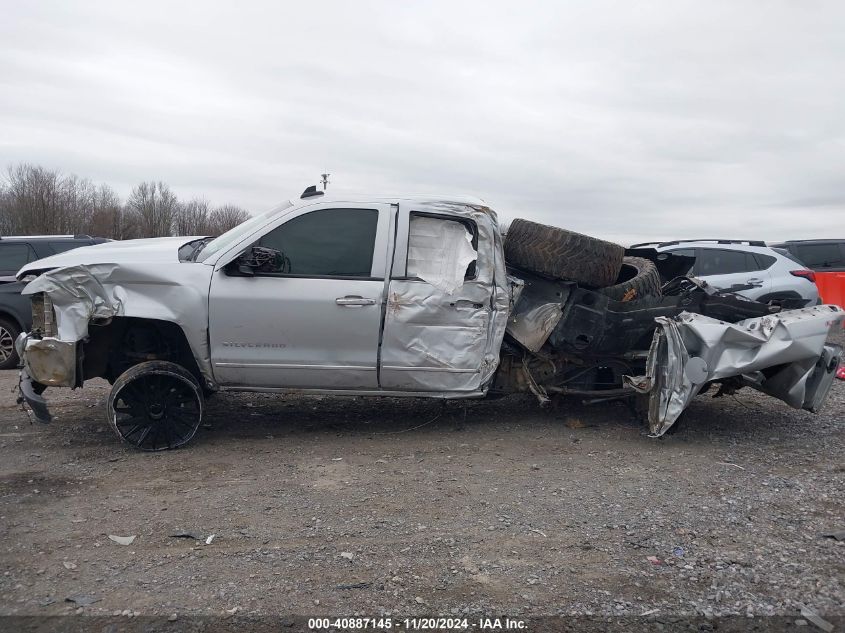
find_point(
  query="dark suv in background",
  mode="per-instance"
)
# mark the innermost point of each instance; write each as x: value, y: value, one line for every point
x: 16, y: 252
x: 827, y: 259
x: 818, y: 255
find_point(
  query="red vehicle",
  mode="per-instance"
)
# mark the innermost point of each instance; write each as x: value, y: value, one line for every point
x: 826, y: 258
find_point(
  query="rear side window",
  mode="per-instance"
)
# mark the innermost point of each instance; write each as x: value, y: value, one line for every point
x: 764, y: 261
x: 820, y: 255
x: 61, y: 247
x: 715, y: 261
x: 13, y: 256
x: 327, y: 242
x: 789, y: 256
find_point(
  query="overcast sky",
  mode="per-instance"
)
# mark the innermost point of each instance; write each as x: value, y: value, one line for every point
x: 630, y: 121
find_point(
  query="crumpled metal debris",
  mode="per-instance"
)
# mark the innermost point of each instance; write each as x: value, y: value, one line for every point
x: 784, y: 355
x: 78, y: 294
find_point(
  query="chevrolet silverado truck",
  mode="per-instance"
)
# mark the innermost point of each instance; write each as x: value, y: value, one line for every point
x: 394, y: 297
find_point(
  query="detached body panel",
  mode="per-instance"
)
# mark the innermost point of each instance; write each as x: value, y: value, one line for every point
x: 783, y: 355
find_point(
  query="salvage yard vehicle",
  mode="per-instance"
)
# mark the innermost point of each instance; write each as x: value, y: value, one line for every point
x: 749, y: 268
x: 400, y: 297
x: 826, y: 258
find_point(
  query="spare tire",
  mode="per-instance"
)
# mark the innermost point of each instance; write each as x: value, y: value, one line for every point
x: 637, y: 279
x: 563, y: 254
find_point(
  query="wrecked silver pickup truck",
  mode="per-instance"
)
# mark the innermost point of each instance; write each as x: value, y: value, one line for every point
x: 400, y: 297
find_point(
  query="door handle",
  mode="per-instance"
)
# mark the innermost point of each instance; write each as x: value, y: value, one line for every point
x: 354, y: 300
x: 754, y: 282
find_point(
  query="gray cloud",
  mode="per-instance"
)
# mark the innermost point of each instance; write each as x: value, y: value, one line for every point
x: 629, y: 121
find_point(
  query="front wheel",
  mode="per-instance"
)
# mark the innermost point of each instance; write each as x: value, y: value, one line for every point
x: 155, y: 406
x: 8, y: 333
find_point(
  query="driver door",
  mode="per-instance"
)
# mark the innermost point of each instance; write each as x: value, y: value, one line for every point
x: 314, y: 325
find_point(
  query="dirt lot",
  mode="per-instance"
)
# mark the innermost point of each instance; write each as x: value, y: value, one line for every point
x: 341, y: 506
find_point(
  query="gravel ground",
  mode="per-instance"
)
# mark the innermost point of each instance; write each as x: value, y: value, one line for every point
x: 341, y: 506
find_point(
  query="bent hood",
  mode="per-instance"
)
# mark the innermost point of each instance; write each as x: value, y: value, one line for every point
x: 151, y: 250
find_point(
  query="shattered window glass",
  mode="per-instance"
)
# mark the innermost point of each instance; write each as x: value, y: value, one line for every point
x: 327, y: 242
x: 440, y: 251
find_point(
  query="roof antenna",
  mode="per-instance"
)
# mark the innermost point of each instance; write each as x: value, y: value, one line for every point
x: 310, y: 192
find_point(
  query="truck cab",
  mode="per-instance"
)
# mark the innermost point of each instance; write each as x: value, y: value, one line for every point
x: 397, y: 295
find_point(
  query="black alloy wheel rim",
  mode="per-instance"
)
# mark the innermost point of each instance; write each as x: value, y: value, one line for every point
x: 7, y: 344
x: 157, y: 411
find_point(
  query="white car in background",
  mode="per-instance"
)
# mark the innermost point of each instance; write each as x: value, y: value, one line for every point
x: 749, y: 268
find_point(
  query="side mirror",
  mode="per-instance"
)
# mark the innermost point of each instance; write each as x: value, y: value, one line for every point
x: 260, y: 259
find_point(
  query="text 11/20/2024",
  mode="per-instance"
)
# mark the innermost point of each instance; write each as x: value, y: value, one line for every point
x: 416, y: 624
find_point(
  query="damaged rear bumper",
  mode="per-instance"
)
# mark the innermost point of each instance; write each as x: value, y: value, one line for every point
x: 784, y: 355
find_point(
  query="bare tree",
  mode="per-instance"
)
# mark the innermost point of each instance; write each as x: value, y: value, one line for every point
x: 153, y: 206
x: 7, y: 216
x: 32, y: 197
x: 74, y: 205
x: 193, y: 217
x: 108, y: 218
x: 226, y: 217
x: 36, y: 200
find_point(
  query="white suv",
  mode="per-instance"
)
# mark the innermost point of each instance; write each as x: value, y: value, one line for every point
x: 747, y: 267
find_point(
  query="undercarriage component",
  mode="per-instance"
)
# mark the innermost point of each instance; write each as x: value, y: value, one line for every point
x: 155, y: 406
x: 544, y: 374
x: 593, y: 325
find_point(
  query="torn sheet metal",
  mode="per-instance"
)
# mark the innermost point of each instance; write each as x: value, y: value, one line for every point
x: 78, y: 295
x: 783, y: 355
x: 439, y: 252
x: 537, y: 311
x: 438, y: 342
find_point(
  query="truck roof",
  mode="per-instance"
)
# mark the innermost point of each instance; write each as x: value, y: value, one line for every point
x: 413, y: 198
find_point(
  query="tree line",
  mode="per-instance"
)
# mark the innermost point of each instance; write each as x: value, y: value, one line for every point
x: 39, y: 201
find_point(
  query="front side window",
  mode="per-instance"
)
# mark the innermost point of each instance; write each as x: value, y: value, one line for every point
x: 13, y: 256
x: 714, y: 261
x: 327, y: 243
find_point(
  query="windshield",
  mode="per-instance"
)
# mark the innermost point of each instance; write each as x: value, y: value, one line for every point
x: 233, y: 235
